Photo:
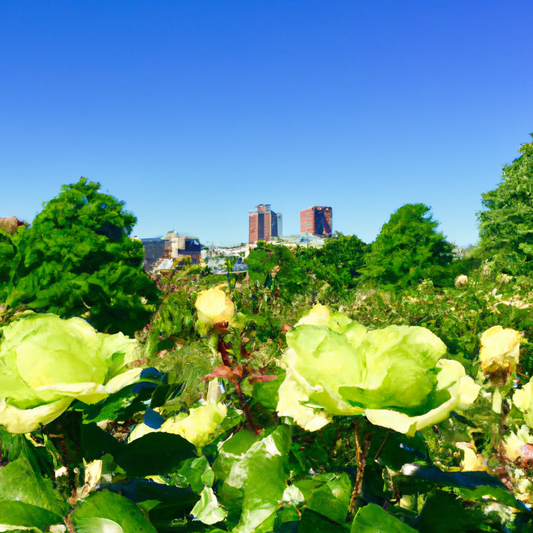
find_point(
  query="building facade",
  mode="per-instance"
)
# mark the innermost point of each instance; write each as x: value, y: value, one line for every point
x: 263, y: 224
x: 316, y: 220
x: 173, y: 246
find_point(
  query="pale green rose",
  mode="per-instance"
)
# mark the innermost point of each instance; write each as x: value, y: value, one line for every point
x: 517, y: 444
x: 199, y: 426
x: 395, y: 376
x: 523, y: 399
x: 499, y: 352
x: 47, y: 362
x: 214, y: 308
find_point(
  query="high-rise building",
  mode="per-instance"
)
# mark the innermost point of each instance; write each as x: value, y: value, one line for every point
x: 316, y: 220
x: 263, y: 224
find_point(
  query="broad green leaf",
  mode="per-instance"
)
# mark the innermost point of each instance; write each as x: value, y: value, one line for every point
x: 20, y: 482
x: 17, y: 513
x: 266, y: 393
x: 254, y: 472
x: 198, y: 473
x: 93, y: 524
x: 121, y: 405
x: 443, y: 512
x: 208, y: 510
x: 313, y: 522
x: 95, y: 442
x: 328, y: 494
x: 154, y: 453
x: 472, y: 485
x: 117, y: 512
x: 374, y: 519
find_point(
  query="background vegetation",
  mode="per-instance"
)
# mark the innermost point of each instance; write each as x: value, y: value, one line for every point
x: 76, y: 259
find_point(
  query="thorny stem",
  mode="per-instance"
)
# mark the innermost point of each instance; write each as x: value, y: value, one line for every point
x: 244, y: 406
x: 221, y: 347
x: 361, y: 454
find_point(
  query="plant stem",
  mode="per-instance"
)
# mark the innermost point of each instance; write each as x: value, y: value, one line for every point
x: 361, y: 454
x: 245, y: 407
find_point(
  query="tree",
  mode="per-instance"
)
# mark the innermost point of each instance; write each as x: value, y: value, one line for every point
x: 339, y: 261
x: 8, y: 228
x: 506, y: 224
x: 408, y: 249
x: 77, y: 259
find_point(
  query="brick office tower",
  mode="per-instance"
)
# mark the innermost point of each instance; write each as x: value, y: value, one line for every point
x: 263, y: 224
x: 316, y: 220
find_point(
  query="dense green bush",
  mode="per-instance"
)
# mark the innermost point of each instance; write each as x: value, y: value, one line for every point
x: 77, y: 259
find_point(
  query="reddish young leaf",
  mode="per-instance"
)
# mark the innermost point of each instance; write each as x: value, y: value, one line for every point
x: 221, y: 371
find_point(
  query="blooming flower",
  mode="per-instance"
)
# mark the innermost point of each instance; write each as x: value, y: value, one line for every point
x: 47, y: 362
x: 214, y: 309
x: 499, y: 353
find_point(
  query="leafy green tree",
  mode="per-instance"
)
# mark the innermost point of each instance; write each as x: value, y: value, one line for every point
x: 77, y: 259
x: 7, y: 252
x: 339, y: 261
x: 277, y: 267
x: 506, y: 224
x: 408, y: 249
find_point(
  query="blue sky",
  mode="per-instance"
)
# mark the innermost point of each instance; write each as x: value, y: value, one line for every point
x: 194, y: 112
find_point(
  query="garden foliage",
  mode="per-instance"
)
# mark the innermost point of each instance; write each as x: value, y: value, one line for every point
x: 408, y: 249
x: 327, y: 390
x: 77, y: 259
x: 506, y: 224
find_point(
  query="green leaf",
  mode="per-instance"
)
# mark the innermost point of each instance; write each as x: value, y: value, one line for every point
x: 208, y: 510
x: 198, y: 473
x: 313, y: 522
x: 266, y: 393
x: 154, y: 453
x: 374, y: 519
x: 20, y: 482
x: 116, y: 512
x: 120, y: 406
x: 254, y: 472
x: 471, y: 485
x: 17, y: 513
x: 443, y: 512
x: 95, y: 442
x: 328, y: 494
x: 92, y: 524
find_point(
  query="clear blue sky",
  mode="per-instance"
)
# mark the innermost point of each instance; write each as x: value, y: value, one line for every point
x: 194, y: 112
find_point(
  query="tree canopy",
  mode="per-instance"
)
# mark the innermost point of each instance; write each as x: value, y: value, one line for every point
x: 506, y: 224
x: 339, y: 261
x: 408, y: 249
x: 77, y: 259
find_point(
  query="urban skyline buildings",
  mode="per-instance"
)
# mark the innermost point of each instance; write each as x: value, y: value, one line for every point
x: 317, y: 220
x: 263, y: 224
